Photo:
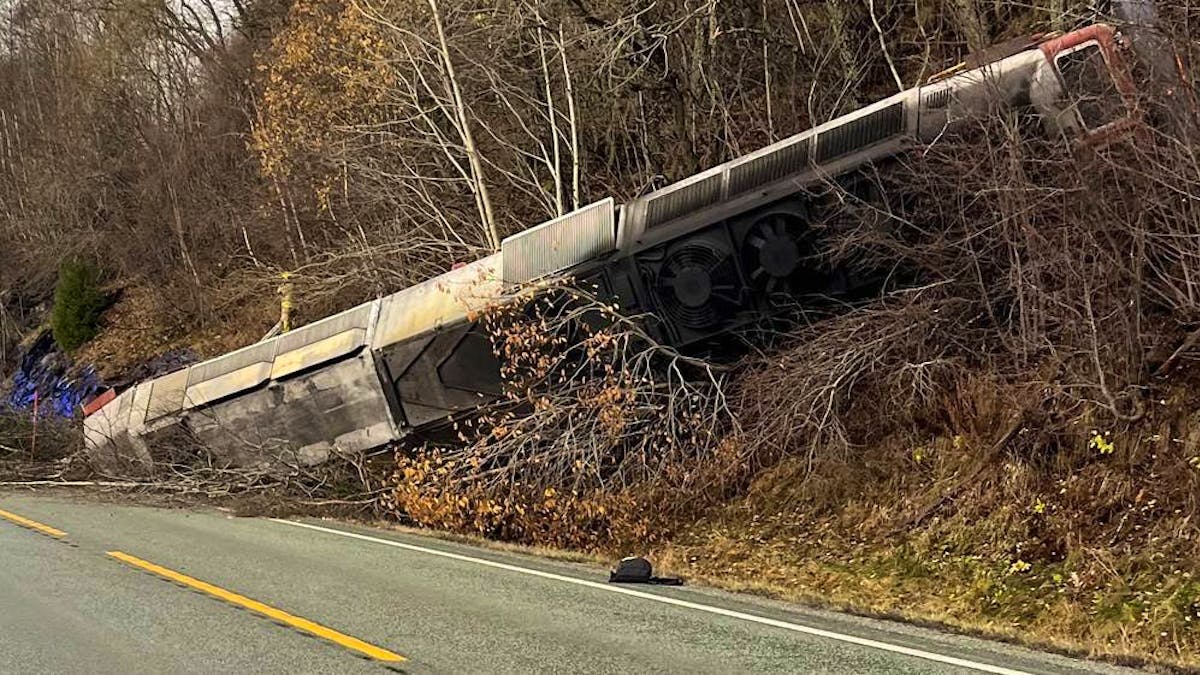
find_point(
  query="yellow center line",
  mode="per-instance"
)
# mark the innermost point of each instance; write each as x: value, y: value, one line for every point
x: 354, y: 644
x: 32, y: 524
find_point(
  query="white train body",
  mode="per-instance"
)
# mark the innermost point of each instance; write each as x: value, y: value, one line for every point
x: 373, y: 374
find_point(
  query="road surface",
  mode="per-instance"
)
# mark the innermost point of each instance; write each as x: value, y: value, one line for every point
x: 102, y: 588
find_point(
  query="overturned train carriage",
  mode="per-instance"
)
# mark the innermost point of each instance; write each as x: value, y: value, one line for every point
x: 702, y: 256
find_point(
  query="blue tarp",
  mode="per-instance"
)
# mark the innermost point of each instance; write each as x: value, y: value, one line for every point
x: 61, y: 389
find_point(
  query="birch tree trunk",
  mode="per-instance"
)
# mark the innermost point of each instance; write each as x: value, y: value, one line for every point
x: 575, y: 162
x: 480, y: 189
x: 552, y: 114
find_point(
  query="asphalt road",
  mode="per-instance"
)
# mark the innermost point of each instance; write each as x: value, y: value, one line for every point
x: 104, y: 588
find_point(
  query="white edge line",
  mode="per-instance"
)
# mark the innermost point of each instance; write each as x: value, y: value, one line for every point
x: 841, y: 637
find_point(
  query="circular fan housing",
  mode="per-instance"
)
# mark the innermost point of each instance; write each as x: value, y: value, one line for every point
x: 776, y: 253
x: 698, y: 285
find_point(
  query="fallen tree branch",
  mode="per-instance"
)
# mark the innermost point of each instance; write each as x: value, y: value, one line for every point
x: 76, y: 483
x: 1192, y: 339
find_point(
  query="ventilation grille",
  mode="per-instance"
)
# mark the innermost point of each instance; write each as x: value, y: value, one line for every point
x: 560, y: 244
x: 325, y: 328
x: 936, y: 100
x: 861, y: 133
x: 683, y: 201
x: 263, y: 352
x: 779, y: 164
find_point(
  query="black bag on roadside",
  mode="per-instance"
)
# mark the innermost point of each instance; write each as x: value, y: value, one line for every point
x: 637, y: 570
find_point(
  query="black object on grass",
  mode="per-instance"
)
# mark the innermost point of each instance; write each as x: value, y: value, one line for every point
x: 637, y: 570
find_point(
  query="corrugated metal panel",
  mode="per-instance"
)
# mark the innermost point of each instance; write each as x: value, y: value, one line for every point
x: 95, y: 435
x: 263, y: 352
x: 861, y: 132
x: 768, y: 168
x: 561, y: 243
x: 107, y: 423
x: 662, y: 208
x: 228, y: 384
x: 351, y: 319
x: 124, y: 406
x: 323, y: 341
x: 141, y: 405
x: 322, y: 351
x: 442, y: 300
x: 227, y: 375
x: 166, y: 394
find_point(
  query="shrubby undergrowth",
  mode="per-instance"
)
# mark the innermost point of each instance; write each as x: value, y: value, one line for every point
x: 1010, y: 434
x: 78, y: 302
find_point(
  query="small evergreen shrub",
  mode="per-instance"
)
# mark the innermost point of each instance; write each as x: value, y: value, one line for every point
x: 78, y: 302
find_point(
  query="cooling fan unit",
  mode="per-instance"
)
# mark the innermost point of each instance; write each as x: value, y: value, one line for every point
x: 698, y: 285
x: 777, y: 254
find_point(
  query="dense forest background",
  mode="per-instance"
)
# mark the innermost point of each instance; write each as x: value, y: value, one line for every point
x: 195, y: 149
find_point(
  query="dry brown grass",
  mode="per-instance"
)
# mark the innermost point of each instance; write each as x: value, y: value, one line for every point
x: 1014, y: 450
x: 1085, y: 549
x: 1011, y: 448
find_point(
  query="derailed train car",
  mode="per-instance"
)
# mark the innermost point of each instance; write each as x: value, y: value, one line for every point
x: 703, y: 256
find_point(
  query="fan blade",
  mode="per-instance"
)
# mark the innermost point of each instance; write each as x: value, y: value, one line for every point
x: 779, y: 226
